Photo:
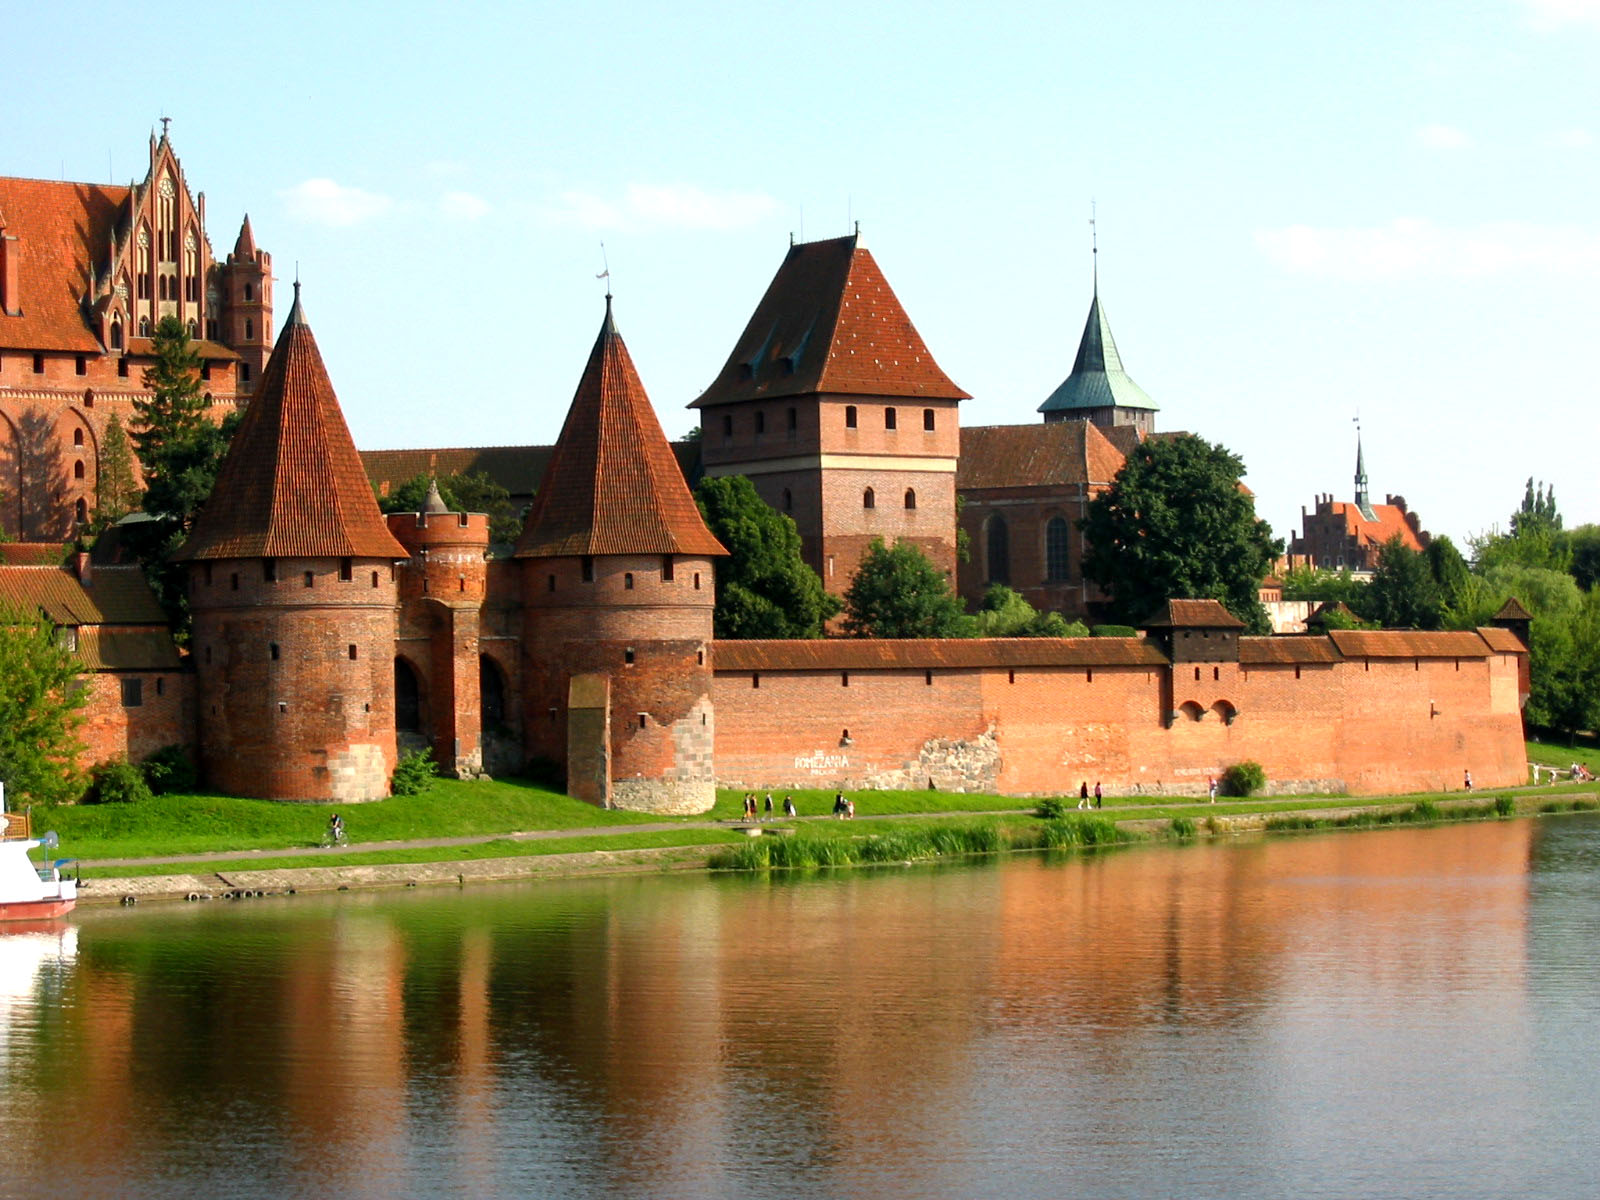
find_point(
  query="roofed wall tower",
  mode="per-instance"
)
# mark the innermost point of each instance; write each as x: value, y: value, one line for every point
x: 247, y: 306
x: 442, y: 590
x: 833, y: 407
x: 292, y: 587
x: 618, y: 593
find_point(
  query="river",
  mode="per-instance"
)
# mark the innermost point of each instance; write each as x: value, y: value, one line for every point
x: 1408, y: 1012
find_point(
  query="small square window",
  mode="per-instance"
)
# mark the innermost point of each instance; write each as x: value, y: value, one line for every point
x: 627, y: 656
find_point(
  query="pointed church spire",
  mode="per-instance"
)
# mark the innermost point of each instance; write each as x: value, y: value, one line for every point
x: 613, y: 485
x: 292, y: 484
x: 1097, y: 380
x: 244, y: 249
x: 1363, y: 502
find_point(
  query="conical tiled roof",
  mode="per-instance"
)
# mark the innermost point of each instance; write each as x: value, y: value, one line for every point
x: 612, y: 485
x: 292, y: 485
x: 1097, y: 379
x: 829, y: 322
x: 244, y: 249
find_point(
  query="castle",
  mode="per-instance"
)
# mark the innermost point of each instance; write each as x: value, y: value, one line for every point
x: 86, y: 272
x: 327, y: 636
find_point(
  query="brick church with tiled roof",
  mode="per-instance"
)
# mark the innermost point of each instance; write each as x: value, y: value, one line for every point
x: 86, y: 272
x: 328, y: 638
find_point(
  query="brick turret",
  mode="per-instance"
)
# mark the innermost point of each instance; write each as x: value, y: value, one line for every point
x: 618, y: 594
x: 292, y: 586
x: 247, y: 306
x: 441, y: 596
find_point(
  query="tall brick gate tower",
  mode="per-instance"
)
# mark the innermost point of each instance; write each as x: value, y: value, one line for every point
x: 833, y: 407
x: 292, y: 586
x: 618, y: 594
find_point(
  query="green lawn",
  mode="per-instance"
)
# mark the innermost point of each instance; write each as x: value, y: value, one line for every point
x: 172, y: 825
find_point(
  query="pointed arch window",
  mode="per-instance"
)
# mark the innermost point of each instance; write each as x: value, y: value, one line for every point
x: 869, y: 499
x: 998, y: 545
x: 1056, y: 535
x: 911, y: 497
x: 116, y: 335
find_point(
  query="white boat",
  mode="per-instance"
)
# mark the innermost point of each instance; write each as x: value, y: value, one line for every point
x: 29, y: 891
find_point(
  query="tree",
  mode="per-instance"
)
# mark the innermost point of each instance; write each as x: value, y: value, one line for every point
x: 1314, y: 583
x: 1536, y: 538
x: 116, y: 491
x: 1006, y: 614
x: 463, y: 491
x: 180, y: 447
x: 1584, y: 542
x: 1403, y: 594
x: 764, y: 587
x: 41, y: 699
x: 898, y: 593
x: 1564, y: 666
x: 1174, y: 524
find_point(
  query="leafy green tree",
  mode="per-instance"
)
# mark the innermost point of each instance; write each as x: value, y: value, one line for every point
x: 1564, y: 665
x: 1005, y: 613
x: 1536, y: 538
x: 117, y: 493
x: 898, y: 593
x: 180, y: 447
x: 463, y: 491
x: 41, y: 702
x: 1314, y: 583
x: 1403, y: 594
x: 1584, y: 542
x: 1451, y: 575
x: 764, y: 587
x: 1175, y: 523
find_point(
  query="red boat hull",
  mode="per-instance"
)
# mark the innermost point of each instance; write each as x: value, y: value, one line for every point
x: 34, y: 910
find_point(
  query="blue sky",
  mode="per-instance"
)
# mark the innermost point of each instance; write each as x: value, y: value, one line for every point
x: 1305, y: 210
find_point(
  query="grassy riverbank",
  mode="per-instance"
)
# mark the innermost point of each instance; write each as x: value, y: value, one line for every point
x: 456, y: 822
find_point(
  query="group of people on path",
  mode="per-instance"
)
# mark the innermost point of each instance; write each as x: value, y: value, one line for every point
x: 1083, y: 795
x: 754, y: 811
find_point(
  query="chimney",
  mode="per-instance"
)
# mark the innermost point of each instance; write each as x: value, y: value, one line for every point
x: 10, y: 260
x: 80, y: 562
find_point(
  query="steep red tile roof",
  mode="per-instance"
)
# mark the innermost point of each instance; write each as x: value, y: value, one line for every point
x: 613, y: 485
x: 115, y: 596
x: 1193, y: 614
x: 292, y: 485
x: 1062, y: 452
x: 1512, y: 610
x: 61, y: 230
x: 1259, y: 651
x: 1501, y: 640
x: 862, y: 654
x: 1391, y: 520
x: 829, y: 322
x: 1408, y: 643
x: 244, y: 248
x: 36, y: 554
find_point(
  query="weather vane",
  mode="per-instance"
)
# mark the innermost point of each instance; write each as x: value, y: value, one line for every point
x: 606, y: 274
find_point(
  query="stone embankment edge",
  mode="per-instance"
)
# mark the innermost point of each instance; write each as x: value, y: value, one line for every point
x: 241, y: 882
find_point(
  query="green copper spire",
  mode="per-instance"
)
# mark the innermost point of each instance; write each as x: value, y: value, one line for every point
x: 1097, y: 379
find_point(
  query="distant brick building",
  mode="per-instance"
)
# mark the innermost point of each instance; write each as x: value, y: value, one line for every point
x: 1338, y: 535
x: 86, y: 272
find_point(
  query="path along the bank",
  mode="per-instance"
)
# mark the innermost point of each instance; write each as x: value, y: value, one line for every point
x: 231, y: 874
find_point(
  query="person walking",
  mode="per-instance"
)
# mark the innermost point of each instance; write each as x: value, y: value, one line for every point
x: 1083, y: 794
x: 1099, y: 796
x: 1466, y: 781
x: 768, y: 815
x: 1211, y: 788
x: 788, y: 807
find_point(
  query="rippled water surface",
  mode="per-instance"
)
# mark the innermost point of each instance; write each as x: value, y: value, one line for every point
x: 1403, y: 1013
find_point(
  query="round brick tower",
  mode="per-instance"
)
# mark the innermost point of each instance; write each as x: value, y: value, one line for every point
x: 441, y: 603
x: 293, y: 590
x: 618, y: 595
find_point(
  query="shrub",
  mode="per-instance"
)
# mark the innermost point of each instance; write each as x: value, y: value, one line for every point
x: 1505, y: 805
x: 1053, y: 809
x: 1425, y: 810
x: 1183, y: 827
x: 117, y: 782
x: 1243, y: 779
x: 1114, y: 631
x: 415, y: 771
x: 169, y: 770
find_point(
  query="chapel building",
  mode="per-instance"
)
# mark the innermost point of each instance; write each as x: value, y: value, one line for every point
x: 86, y: 272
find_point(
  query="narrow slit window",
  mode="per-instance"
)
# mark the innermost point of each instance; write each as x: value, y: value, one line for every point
x: 849, y: 416
x: 927, y: 419
x: 889, y: 418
